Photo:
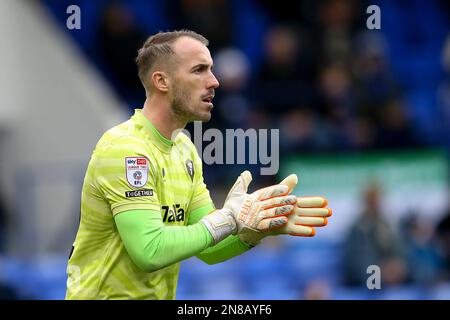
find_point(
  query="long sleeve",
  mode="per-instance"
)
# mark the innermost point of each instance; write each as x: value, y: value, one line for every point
x: 152, y: 245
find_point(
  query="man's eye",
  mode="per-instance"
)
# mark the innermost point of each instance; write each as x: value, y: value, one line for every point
x: 198, y: 70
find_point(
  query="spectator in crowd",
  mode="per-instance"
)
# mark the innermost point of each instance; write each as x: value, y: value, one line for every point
x: 336, y: 25
x: 372, y: 241
x: 119, y: 38
x: 336, y: 104
x: 362, y: 132
x: 299, y: 130
x: 395, y: 130
x: 374, y: 83
x: 424, y: 262
x: 280, y: 83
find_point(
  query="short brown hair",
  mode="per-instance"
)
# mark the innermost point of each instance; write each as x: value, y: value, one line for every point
x: 159, y: 46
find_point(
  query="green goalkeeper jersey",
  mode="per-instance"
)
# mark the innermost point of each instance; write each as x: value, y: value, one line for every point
x: 132, y: 167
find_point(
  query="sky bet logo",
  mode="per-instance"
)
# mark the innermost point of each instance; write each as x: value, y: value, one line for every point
x: 138, y: 161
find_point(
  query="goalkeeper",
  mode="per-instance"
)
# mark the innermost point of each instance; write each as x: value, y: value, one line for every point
x: 144, y: 205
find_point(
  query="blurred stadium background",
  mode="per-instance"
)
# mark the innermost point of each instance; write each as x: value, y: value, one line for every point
x: 364, y: 119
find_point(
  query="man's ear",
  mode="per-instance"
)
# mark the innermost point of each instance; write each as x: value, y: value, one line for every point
x: 160, y: 81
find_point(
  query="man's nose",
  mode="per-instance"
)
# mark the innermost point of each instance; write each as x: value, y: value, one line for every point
x: 213, y: 83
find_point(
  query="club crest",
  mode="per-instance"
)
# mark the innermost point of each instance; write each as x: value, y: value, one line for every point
x: 190, y: 168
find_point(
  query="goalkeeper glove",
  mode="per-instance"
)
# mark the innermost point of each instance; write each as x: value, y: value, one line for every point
x: 309, y: 212
x: 262, y: 210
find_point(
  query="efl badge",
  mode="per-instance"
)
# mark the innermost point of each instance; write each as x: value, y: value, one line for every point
x: 190, y: 168
x: 137, y: 171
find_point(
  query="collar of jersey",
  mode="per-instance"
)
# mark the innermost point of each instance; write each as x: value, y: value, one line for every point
x: 161, y: 142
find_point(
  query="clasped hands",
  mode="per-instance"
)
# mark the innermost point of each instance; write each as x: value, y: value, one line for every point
x: 266, y: 212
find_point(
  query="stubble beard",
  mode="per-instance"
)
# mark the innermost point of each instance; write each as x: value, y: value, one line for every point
x: 182, y: 108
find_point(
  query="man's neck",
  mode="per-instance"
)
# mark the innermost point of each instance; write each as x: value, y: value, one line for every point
x: 159, y: 113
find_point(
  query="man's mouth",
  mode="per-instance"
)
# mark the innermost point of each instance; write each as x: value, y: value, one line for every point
x: 208, y: 99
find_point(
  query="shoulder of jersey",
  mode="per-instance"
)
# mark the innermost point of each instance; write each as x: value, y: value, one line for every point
x: 119, y: 138
x: 182, y: 138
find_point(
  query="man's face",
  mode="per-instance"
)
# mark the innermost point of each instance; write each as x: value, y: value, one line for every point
x: 192, y: 80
